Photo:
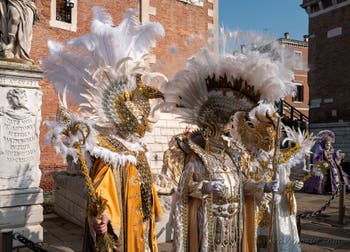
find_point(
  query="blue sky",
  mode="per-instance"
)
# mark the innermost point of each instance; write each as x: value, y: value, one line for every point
x: 270, y: 17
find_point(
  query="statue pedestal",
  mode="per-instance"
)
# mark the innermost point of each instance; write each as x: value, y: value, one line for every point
x: 20, y: 118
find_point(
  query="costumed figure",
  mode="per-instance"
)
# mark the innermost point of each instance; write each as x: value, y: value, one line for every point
x: 17, y: 19
x: 107, y: 75
x: 211, y: 209
x: 275, y: 215
x: 326, y: 164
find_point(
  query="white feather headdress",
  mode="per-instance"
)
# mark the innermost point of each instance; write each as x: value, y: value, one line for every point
x: 225, y: 84
x: 106, y: 74
x: 98, y: 67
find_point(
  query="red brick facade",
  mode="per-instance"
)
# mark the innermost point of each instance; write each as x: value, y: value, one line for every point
x: 300, y: 48
x: 186, y: 28
x: 329, y: 54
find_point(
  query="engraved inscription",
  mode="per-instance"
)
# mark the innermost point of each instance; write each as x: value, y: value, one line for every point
x: 18, y: 130
x: 18, y: 82
x: 19, y: 139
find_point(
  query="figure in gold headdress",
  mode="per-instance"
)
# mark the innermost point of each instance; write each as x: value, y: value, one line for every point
x: 275, y: 215
x: 106, y: 72
x: 211, y: 210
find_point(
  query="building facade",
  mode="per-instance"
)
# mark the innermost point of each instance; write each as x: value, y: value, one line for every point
x: 189, y: 25
x: 300, y: 49
x: 329, y: 75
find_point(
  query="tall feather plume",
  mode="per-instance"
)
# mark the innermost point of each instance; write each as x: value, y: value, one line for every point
x: 100, y: 61
x: 268, y: 78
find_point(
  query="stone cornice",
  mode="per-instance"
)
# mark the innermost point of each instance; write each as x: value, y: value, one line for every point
x: 293, y: 42
x: 307, y: 5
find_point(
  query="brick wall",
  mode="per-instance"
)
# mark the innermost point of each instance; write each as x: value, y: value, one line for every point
x: 329, y: 74
x: 186, y: 28
x: 301, y: 77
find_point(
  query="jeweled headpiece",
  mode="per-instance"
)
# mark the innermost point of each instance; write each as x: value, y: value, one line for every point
x: 326, y: 135
x: 106, y: 72
x: 214, y: 87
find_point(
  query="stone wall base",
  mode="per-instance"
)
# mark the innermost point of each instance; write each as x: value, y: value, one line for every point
x: 21, y: 211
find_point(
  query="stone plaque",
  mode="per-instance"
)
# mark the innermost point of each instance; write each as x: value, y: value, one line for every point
x: 20, y: 118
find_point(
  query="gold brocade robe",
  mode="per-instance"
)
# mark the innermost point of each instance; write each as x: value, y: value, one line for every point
x: 204, y: 223
x: 121, y: 189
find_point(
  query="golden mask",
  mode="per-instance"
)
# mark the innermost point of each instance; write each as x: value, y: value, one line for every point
x: 260, y: 135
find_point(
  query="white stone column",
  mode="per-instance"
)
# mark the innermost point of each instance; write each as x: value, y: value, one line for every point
x: 20, y: 117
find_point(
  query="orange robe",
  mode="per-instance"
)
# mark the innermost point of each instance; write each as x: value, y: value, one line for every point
x: 121, y: 189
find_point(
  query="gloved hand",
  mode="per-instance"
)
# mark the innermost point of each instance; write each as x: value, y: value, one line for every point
x: 100, y: 224
x: 297, y: 185
x: 272, y: 186
x: 215, y: 187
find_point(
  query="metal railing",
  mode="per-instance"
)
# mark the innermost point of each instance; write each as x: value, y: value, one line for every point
x: 292, y: 116
x: 6, y: 242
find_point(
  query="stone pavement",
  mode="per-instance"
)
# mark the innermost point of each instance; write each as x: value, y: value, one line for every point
x: 318, y: 234
x: 323, y: 233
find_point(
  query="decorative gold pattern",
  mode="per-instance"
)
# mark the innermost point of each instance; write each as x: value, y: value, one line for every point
x: 72, y: 128
x: 96, y: 207
x: 289, y: 192
x: 143, y: 169
x: 145, y: 175
x: 260, y: 136
x: 227, y: 206
x: 130, y: 110
x: 286, y: 153
x: 238, y: 85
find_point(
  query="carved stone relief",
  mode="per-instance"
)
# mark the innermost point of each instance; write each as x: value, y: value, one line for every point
x: 19, y: 136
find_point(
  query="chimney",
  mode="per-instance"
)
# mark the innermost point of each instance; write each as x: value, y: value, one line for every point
x: 286, y: 35
x: 306, y: 38
x: 243, y: 48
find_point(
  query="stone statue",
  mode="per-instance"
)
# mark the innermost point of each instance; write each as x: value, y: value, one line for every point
x: 17, y: 19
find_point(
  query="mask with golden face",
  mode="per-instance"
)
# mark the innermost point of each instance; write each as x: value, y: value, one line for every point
x: 132, y: 109
x: 257, y: 135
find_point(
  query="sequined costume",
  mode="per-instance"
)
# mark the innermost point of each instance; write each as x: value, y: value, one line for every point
x: 107, y: 74
x: 215, y: 220
x: 216, y: 198
x: 275, y: 215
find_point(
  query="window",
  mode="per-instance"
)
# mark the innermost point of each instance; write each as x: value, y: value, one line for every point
x: 299, y: 94
x: 298, y: 53
x: 64, y: 14
x: 314, y: 7
x: 299, y: 60
x: 326, y: 3
x: 194, y: 2
x: 64, y: 10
